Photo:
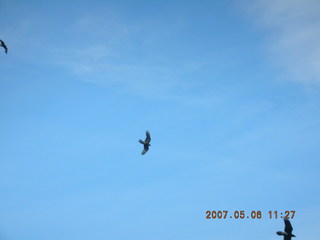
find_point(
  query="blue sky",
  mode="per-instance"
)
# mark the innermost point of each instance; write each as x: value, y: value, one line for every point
x: 228, y: 89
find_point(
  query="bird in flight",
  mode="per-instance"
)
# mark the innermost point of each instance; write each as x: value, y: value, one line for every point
x: 146, y: 143
x: 2, y: 44
x: 287, y: 234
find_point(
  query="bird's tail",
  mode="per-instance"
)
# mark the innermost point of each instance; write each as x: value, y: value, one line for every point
x: 140, y: 141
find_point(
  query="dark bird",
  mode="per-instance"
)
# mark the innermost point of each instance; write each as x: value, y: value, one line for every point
x: 146, y: 143
x: 2, y: 44
x: 287, y: 234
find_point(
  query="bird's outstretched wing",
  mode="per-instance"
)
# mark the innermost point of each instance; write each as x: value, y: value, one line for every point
x: 148, y: 138
x: 288, y: 228
x: 279, y: 233
x: 145, y: 149
x: 2, y: 44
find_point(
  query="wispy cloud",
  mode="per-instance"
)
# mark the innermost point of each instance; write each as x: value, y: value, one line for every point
x: 116, y: 52
x: 99, y: 65
x: 294, y: 32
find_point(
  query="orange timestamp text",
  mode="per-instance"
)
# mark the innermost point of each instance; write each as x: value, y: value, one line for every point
x: 249, y: 214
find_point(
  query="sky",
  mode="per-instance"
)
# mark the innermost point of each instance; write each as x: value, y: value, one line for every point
x: 229, y: 90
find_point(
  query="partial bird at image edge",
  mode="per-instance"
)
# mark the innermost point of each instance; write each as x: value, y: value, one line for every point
x: 2, y: 44
x: 287, y: 234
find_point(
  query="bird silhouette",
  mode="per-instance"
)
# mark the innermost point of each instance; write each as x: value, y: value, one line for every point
x: 2, y: 44
x: 287, y: 234
x: 146, y: 143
